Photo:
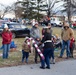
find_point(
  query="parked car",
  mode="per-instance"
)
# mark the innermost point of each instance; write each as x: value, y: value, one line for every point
x: 2, y: 21
x: 16, y: 29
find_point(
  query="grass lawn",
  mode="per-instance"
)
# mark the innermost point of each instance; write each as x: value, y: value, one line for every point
x: 15, y: 57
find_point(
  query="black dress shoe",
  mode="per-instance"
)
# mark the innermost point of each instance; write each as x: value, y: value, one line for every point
x: 53, y: 63
x: 36, y: 61
x: 71, y: 56
x: 48, y: 67
x: 42, y: 67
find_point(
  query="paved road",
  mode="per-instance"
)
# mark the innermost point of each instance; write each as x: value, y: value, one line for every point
x: 61, y: 68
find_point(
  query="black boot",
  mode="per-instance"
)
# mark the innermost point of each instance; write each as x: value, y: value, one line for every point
x: 36, y: 61
x: 42, y: 67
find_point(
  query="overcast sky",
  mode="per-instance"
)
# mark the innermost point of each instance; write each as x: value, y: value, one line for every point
x: 7, y: 2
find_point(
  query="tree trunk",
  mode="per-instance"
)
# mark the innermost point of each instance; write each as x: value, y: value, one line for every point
x: 69, y: 11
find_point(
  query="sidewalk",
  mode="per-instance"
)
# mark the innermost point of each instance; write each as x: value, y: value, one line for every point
x: 60, y: 68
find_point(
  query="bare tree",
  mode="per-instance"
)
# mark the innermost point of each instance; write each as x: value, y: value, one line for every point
x: 51, y: 5
x: 17, y: 10
x: 4, y: 10
x: 73, y: 3
x: 70, y: 8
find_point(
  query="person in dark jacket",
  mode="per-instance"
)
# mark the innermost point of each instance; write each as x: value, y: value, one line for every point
x: 6, y: 40
x: 43, y: 32
x: 48, y: 49
x: 45, y: 27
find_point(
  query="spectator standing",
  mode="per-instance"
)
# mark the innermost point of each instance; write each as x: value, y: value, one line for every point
x: 33, y: 22
x: 45, y: 22
x: 50, y: 28
x: 6, y: 40
x: 45, y: 27
x: 50, y: 31
x: 66, y: 34
x: 48, y: 49
x: 35, y: 34
x: 23, y: 22
x: 48, y: 19
x: 25, y: 51
x: 72, y: 46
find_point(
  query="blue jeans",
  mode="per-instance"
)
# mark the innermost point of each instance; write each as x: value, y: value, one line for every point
x: 65, y: 44
x: 25, y: 56
x: 52, y: 54
x: 6, y: 48
x: 46, y: 53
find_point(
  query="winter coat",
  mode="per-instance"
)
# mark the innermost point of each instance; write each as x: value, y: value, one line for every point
x: 47, y: 41
x: 35, y: 33
x: 6, y: 37
x: 67, y: 34
x: 25, y: 47
x: 72, y: 42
